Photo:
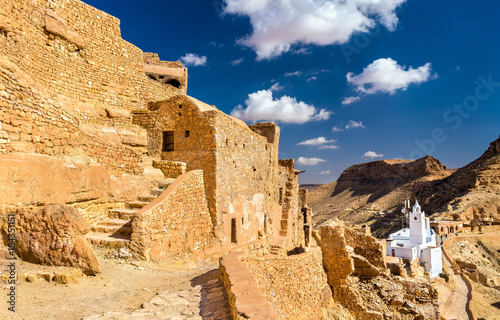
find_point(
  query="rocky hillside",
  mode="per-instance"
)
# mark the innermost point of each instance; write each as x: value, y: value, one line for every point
x: 364, y: 190
x: 470, y: 193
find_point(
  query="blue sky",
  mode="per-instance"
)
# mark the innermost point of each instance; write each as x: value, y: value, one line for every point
x: 423, y: 77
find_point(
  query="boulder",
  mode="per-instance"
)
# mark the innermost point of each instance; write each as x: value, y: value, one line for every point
x: 53, y: 235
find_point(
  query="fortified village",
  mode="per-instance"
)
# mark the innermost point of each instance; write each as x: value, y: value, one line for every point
x: 101, y: 148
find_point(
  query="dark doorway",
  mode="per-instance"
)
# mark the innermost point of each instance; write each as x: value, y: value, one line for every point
x: 234, y: 239
x: 168, y: 141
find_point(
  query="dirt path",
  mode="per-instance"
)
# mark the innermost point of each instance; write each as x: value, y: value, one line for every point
x: 453, y: 295
x: 121, y: 287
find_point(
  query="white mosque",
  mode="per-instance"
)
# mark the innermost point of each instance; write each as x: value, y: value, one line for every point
x: 417, y: 241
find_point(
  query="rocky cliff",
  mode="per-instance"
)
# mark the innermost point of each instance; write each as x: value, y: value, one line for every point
x: 470, y: 193
x: 364, y: 190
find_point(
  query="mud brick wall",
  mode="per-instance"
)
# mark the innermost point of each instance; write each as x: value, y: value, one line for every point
x: 31, y: 123
x: 292, y: 218
x: 175, y: 224
x: 171, y: 169
x: 296, y: 285
x: 240, y: 165
x: 76, y: 51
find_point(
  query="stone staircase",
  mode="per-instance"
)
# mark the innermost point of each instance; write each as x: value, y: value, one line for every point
x: 116, y: 230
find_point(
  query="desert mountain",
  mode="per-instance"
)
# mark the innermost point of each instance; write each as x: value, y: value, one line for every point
x: 364, y: 190
x: 470, y: 193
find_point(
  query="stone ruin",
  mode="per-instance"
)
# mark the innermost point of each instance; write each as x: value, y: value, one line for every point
x: 107, y: 132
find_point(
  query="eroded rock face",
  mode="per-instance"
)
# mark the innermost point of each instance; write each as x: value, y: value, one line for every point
x: 356, y: 272
x: 33, y: 179
x: 53, y: 235
x: 471, y: 192
x: 373, y: 186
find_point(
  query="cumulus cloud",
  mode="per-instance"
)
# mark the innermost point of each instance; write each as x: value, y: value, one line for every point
x: 312, y: 78
x: 325, y: 172
x: 279, y: 24
x: 386, y: 76
x: 236, y: 62
x: 316, y: 141
x: 309, y: 161
x: 354, y: 124
x: 192, y: 59
x: 372, y: 155
x: 262, y: 106
x: 350, y: 125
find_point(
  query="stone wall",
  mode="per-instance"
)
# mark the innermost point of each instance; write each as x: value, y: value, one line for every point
x: 175, y: 224
x: 76, y: 51
x: 245, y: 298
x: 295, y: 285
x: 32, y: 123
x: 171, y: 169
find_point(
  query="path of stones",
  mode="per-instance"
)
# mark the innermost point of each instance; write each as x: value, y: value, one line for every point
x: 207, y: 300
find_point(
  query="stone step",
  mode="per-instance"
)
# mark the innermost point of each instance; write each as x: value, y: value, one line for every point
x: 125, y: 214
x: 108, y: 240
x: 137, y: 204
x: 116, y: 222
x: 146, y: 198
x: 124, y: 230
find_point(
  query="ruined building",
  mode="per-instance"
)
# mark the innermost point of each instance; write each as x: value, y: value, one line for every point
x: 86, y: 117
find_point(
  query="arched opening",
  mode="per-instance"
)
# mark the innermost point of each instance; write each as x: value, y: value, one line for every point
x: 174, y: 83
x: 451, y: 229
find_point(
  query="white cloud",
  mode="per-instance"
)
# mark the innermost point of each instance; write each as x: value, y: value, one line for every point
x: 293, y: 74
x: 315, y: 141
x: 350, y: 125
x: 312, y: 78
x: 328, y: 147
x: 309, y: 161
x: 236, y: 62
x: 192, y: 59
x: 386, y: 76
x: 276, y: 87
x: 354, y: 124
x: 372, y: 155
x: 325, y: 172
x: 350, y: 100
x: 279, y: 24
x: 261, y: 106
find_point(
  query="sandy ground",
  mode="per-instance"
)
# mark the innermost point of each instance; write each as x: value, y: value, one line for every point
x: 122, y: 286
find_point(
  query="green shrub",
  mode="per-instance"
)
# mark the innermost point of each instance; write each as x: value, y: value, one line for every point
x: 445, y: 276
